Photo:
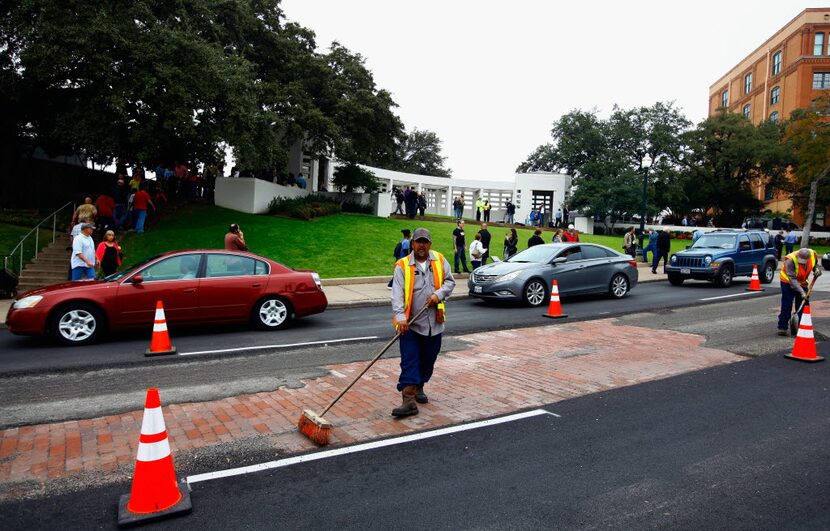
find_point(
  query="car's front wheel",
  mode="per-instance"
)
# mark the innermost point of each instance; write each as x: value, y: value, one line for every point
x: 535, y: 293
x: 724, y: 278
x: 619, y: 286
x: 77, y: 324
x: 769, y: 273
x: 675, y: 279
x: 271, y: 313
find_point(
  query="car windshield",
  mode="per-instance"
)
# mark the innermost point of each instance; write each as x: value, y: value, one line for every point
x: 536, y: 254
x: 121, y: 274
x: 715, y: 241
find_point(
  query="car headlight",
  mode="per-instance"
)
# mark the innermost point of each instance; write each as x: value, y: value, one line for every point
x: 707, y: 260
x: 316, y: 278
x: 28, y: 302
x: 508, y: 276
x: 673, y: 258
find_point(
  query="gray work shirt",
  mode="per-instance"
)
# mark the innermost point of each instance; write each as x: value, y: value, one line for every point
x: 789, y: 267
x: 424, y: 286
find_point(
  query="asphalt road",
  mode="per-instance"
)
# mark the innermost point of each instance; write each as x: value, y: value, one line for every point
x: 740, y: 446
x: 40, y: 382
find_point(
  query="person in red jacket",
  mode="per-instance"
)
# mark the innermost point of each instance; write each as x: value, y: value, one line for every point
x: 570, y: 235
x: 109, y: 254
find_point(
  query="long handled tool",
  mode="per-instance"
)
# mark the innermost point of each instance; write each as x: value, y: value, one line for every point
x: 318, y: 429
x: 794, y: 317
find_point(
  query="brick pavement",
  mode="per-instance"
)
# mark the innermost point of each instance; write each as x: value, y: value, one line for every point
x: 492, y: 374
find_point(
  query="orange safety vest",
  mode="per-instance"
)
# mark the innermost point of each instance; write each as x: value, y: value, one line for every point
x: 409, y: 284
x: 801, y: 273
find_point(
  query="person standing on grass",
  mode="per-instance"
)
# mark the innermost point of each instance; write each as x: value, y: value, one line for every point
x: 108, y: 254
x: 536, y: 239
x: 83, y: 260
x: 558, y: 222
x: 460, y: 246
x: 141, y: 200
x: 477, y: 251
x: 423, y: 278
x: 511, y: 243
x: 402, y: 249
x: 570, y: 235
x: 485, y: 242
x: 510, y: 212
x: 479, y: 209
x: 486, y: 209
x: 557, y: 236
x: 235, y: 239
x: 422, y: 203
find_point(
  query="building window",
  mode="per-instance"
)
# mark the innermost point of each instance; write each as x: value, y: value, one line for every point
x: 818, y: 44
x: 748, y: 83
x: 724, y: 98
x: 774, y: 95
x: 776, y: 63
x: 773, y: 117
x: 746, y: 110
x: 821, y: 80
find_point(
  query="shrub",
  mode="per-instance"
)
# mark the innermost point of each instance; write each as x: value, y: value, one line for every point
x: 313, y: 206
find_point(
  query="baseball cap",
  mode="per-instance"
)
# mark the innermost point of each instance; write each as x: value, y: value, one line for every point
x: 87, y: 226
x: 422, y: 234
x: 803, y: 255
x: 571, y: 226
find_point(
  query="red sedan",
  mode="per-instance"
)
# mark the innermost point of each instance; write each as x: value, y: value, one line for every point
x: 196, y: 287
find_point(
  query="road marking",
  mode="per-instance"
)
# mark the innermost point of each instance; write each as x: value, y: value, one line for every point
x: 289, y: 345
x: 733, y: 295
x: 315, y: 456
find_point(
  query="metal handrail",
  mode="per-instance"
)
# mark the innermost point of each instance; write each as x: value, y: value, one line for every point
x: 36, y: 231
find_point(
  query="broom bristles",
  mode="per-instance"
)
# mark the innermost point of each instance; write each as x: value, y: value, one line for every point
x: 316, y: 428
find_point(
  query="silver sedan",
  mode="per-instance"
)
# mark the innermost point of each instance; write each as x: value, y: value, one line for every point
x: 578, y: 268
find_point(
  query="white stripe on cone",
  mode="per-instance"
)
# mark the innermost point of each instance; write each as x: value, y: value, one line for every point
x: 159, y: 327
x: 159, y: 314
x: 805, y: 328
x: 153, y: 421
x: 153, y: 451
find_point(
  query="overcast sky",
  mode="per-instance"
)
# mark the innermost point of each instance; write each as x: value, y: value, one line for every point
x: 491, y: 77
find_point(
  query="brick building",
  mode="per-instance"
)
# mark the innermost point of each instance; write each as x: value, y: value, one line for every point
x: 788, y: 71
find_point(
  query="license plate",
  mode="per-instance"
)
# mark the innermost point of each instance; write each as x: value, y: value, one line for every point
x: 685, y: 271
x: 477, y: 289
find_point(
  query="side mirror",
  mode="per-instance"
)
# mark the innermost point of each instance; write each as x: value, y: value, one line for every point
x: 137, y: 279
x: 559, y: 260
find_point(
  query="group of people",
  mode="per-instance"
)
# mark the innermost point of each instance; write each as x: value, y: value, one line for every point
x: 409, y: 202
x: 86, y: 257
x: 478, y: 250
x: 784, y: 241
x: 657, y: 242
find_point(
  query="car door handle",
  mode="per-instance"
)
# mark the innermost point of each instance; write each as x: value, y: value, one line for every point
x: 256, y: 285
x: 581, y: 267
x: 190, y: 290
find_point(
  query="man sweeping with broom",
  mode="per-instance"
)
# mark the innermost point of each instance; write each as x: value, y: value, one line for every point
x: 423, y: 278
x: 795, y: 270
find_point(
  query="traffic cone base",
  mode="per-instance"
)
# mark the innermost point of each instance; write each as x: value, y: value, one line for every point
x: 160, y: 343
x: 554, y: 308
x: 804, y: 348
x: 127, y: 518
x: 755, y: 281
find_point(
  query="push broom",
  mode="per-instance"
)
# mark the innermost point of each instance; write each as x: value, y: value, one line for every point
x: 318, y: 429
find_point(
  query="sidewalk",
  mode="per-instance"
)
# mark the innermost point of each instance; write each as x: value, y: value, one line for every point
x: 477, y: 376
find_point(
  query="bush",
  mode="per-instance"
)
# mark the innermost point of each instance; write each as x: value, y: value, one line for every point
x: 314, y: 206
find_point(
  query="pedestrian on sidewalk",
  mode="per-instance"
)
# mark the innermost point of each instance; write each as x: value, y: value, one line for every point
x: 663, y: 249
x: 652, y: 245
x: 485, y: 242
x: 402, y: 248
x: 83, y: 259
x: 630, y: 242
x: 477, y: 251
x: 790, y: 240
x: 235, y: 239
x: 109, y: 254
x: 460, y: 246
x: 779, y: 244
x: 795, y: 270
x: 427, y: 276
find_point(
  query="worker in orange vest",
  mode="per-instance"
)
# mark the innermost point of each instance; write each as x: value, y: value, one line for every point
x: 422, y: 278
x: 795, y: 270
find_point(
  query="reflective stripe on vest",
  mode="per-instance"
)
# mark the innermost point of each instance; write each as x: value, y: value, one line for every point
x: 437, y: 260
x: 801, y: 273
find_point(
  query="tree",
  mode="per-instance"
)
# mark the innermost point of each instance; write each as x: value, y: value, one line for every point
x: 351, y: 178
x: 420, y: 152
x: 728, y: 155
x: 808, y: 135
x: 605, y: 157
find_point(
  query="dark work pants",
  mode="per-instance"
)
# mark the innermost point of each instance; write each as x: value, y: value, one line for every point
x: 788, y: 296
x: 418, y: 355
x: 460, y: 253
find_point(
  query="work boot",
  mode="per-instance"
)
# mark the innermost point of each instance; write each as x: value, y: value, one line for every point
x: 782, y: 331
x: 420, y: 396
x: 408, y: 407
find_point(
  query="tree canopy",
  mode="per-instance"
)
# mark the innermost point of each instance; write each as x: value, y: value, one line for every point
x: 145, y: 81
x: 420, y: 152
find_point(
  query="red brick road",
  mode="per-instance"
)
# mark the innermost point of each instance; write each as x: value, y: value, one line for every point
x: 497, y: 373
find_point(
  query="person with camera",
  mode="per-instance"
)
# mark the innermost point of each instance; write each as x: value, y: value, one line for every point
x: 235, y: 239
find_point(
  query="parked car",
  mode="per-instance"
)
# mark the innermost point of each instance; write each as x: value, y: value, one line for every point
x: 578, y: 268
x: 721, y: 255
x: 196, y: 287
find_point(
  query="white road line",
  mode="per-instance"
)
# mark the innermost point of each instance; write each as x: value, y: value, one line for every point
x: 288, y: 461
x: 733, y: 295
x: 289, y: 345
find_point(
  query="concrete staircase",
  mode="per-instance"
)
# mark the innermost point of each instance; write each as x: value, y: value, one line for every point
x: 50, y: 267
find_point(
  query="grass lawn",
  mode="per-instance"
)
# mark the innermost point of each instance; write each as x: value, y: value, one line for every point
x: 345, y: 245
x: 10, y: 236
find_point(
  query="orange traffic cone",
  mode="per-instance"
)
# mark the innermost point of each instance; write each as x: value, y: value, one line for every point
x: 160, y: 343
x: 755, y: 281
x: 155, y: 493
x: 554, y: 308
x: 804, y: 348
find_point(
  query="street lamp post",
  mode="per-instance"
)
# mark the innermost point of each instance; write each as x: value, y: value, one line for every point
x: 646, y: 164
